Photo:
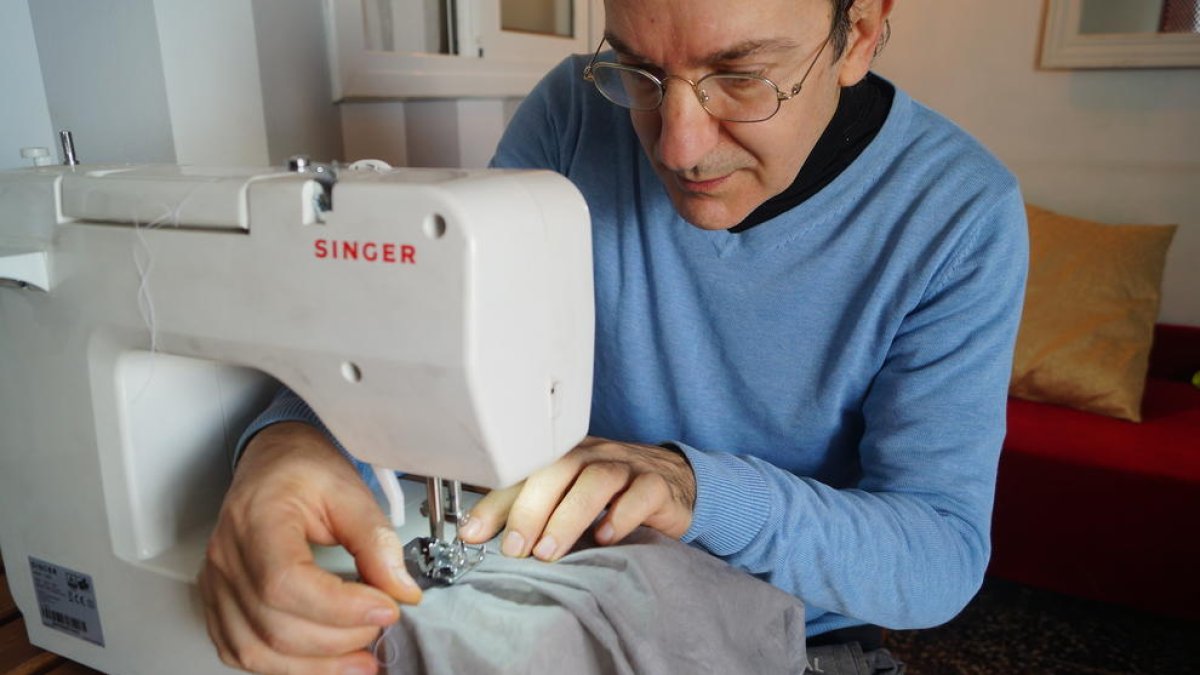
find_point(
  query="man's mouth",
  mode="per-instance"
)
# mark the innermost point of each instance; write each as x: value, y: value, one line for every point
x: 702, y: 185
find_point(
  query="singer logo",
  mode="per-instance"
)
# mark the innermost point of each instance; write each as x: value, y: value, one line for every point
x: 369, y: 251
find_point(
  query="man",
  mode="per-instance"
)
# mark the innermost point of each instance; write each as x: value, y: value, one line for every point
x: 806, y: 304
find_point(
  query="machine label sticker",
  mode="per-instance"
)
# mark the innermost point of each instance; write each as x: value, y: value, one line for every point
x: 369, y: 251
x: 66, y: 600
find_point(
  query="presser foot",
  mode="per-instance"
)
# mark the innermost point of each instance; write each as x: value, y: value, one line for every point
x: 439, y: 562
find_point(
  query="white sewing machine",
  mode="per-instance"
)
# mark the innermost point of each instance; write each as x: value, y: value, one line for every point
x: 440, y: 322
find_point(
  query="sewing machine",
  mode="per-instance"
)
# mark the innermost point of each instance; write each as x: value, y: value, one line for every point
x: 440, y: 322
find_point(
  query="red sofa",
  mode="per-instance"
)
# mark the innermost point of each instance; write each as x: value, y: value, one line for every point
x: 1106, y: 509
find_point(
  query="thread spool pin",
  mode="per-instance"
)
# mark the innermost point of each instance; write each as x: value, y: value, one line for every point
x: 68, y: 148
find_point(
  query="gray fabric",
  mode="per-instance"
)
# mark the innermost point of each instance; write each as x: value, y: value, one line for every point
x: 650, y: 605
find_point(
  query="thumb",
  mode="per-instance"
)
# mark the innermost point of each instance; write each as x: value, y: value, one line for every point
x: 358, y: 525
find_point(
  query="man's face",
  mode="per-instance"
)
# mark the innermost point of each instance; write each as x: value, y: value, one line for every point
x: 717, y: 172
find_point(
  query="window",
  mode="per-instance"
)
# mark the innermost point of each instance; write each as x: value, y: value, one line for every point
x: 1120, y: 34
x: 451, y: 48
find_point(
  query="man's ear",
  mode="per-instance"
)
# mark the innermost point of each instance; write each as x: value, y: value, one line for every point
x: 867, y: 25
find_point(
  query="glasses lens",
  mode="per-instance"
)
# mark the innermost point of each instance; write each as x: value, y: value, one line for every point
x: 739, y: 98
x: 627, y: 87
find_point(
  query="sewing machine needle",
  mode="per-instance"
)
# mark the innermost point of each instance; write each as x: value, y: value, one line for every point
x: 437, y: 515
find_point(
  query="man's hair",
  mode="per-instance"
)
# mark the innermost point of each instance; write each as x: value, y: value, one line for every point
x: 840, y: 30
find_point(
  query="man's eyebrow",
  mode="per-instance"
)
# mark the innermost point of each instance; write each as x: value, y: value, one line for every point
x: 622, y: 48
x: 736, y: 52
x: 750, y: 48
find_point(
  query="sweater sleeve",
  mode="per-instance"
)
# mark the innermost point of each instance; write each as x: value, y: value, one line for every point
x: 908, y: 545
x: 288, y: 407
x: 536, y: 137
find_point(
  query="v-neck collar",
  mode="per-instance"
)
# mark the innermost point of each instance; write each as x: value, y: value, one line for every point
x: 794, y: 223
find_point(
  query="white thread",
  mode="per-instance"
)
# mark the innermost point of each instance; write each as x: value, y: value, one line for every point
x: 393, y: 654
x: 145, y: 265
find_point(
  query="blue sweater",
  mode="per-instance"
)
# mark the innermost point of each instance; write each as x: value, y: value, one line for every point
x: 836, y: 375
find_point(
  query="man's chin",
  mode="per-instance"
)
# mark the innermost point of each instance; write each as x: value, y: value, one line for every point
x: 707, y: 212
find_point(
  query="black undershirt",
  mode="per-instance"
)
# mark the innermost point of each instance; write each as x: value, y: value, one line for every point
x: 860, y: 114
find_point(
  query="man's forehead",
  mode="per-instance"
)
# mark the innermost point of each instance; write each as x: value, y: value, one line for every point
x: 698, y: 32
x: 747, y: 48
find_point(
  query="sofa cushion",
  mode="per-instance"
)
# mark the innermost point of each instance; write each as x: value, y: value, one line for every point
x: 1166, y: 444
x: 1090, y: 306
x: 1176, y: 352
x: 1102, y: 508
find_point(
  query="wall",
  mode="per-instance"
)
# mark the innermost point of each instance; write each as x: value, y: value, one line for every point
x: 24, y: 116
x: 213, y: 82
x: 294, y: 77
x: 1120, y: 146
x: 219, y: 82
x: 427, y: 133
x: 111, y: 93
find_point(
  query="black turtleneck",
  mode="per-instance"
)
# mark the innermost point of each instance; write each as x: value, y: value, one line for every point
x: 860, y: 114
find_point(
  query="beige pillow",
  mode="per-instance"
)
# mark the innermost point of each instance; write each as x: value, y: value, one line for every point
x: 1090, y: 307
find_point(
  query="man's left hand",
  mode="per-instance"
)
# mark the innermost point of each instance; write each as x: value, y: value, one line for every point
x: 546, y: 514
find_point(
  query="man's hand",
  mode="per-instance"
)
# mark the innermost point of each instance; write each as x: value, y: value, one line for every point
x: 269, y: 608
x: 546, y: 514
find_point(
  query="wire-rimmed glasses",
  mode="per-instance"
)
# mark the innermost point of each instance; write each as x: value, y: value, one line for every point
x: 732, y: 97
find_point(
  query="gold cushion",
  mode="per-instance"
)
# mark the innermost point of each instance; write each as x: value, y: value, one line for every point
x: 1090, y: 306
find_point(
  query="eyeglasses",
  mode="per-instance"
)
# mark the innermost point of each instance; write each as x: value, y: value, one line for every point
x: 731, y: 97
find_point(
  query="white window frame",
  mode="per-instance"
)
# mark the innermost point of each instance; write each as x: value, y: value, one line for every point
x: 1063, y: 46
x: 491, y: 64
x: 496, y: 43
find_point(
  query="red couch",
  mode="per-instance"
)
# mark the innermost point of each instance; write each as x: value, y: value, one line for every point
x: 1106, y: 509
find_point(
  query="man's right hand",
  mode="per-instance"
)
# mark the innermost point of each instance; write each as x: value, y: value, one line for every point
x: 269, y: 607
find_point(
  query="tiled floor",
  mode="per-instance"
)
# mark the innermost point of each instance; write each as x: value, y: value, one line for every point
x: 1010, y: 628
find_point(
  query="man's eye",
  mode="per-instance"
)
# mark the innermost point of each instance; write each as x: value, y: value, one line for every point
x: 640, y: 65
x: 657, y: 72
x: 744, y: 72
x: 741, y: 82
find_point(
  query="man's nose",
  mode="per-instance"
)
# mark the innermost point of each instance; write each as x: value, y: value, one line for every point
x: 688, y: 132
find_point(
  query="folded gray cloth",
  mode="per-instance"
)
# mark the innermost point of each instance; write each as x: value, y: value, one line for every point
x: 649, y: 605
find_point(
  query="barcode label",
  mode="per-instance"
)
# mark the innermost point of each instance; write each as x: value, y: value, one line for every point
x: 60, y: 620
x: 67, y: 600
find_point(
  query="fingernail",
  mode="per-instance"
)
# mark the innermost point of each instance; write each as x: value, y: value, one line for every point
x: 514, y: 544
x: 381, y: 616
x: 546, y: 548
x: 356, y: 670
x: 604, y: 535
x: 471, y: 530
